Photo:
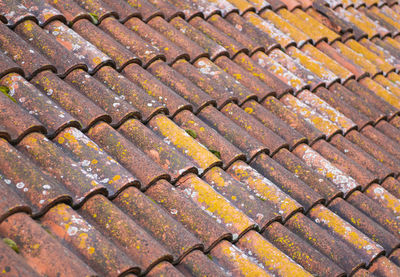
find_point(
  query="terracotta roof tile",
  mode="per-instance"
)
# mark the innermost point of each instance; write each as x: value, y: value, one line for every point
x: 200, y: 137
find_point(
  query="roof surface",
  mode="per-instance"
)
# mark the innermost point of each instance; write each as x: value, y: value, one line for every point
x: 200, y: 138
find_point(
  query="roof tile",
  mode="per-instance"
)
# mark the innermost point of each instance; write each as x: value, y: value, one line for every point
x: 384, y: 198
x: 10, y: 202
x: 8, y: 66
x: 197, y: 264
x: 14, y: 12
x: 146, y: 9
x: 98, y: 8
x: 166, y: 269
x: 70, y: 10
x: 384, y: 267
x: 42, y: 11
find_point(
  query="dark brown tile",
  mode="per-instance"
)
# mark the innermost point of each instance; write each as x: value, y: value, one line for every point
x: 181, y: 85
x: 167, y: 157
x: 340, y: 179
x: 168, y: 10
x: 216, y: 205
x: 198, y: 222
x: 95, y: 161
x: 52, y: 116
x: 70, y: 10
x: 75, y: 103
x: 209, y: 137
x: 15, y: 121
x: 171, y: 51
x: 144, y: 51
x: 125, y: 233
x: 127, y: 90
x: 40, y: 250
x: 156, y: 89
x: 300, y: 251
x: 277, y: 4
x: 164, y: 269
x: 120, y: 55
x: 194, y: 50
x: 232, y: 132
x: 157, y: 221
x: 232, y: 46
x: 384, y: 267
x: 255, y: 128
x: 127, y: 154
x: 349, y: 166
x: 380, y: 139
x: 14, y: 12
x: 145, y: 8
x: 266, y: 190
x: 173, y: 135
x: 287, y: 181
x: 29, y: 59
x: 113, y: 104
x: 292, y: 119
x: 304, y: 172
x: 384, y: 198
x: 198, y: 264
x: 98, y: 8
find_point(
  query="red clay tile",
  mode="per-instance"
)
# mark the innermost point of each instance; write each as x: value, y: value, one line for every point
x: 39, y: 191
x: 322, y: 123
x: 127, y: 154
x: 274, y: 123
x: 266, y: 190
x: 157, y: 221
x: 8, y: 66
x: 395, y: 121
x: 287, y: 181
x: 54, y: 161
x: 300, y: 251
x: 224, y: 80
x: 14, y: 12
x: 194, y: 50
x: 387, y: 46
x: 392, y: 185
x: 96, y: 161
x: 232, y: 259
x: 388, y: 130
x: 155, y: 88
x: 168, y: 10
x: 256, y: 35
x: 94, y: 248
x: 127, y: 90
x: 42, y: 11
x: 70, y: 10
x: 10, y: 202
x: 187, y: 7
x: 255, y: 128
x: 14, y: 264
x: 239, y: 195
x: 361, y: 272
x: 292, y: 119
x: 349, y: 166
x: 382, y: 53
x: 260, y: 5
x: 198, y: 222
x: 346, y: 108
x: 144, y: 51
x: 267, y: 27
x: 268, y: 256
x: 324, y: 242
x: 376, y: 212
x: 384, y: 198
x: 277, y: 4
x: 304, y: 172
x: 120, y: 55
x: 209, y: 137
x: 256, y: 86
x: 209, y: 8
x: 364, y: 224
x: 48, y: 45
x: 395, y: 256
x: 119, y: 228
x: 114, y: 105
x: 174, y: 163
x: 181, y: 85
x: 365, y: 247
x: 232, y: 132
x: 75, y: 103
x: 197, y: 264
x: 313, y: 159
x: 15, y: 121
x: 292, y: 4
x: 207, y: 80
x: 384, y: 267
x: 197, y: 153
x: 97, y: 8
x: 30, y: 60
x: 324, y: 20
x: 232, y: 46
x: 382, y: 140
x: 37, y: 104
x: 145, y: 8
x: 40, y: 250
x: 164, y: 269
x: 171, y: 51
x: 228, y: 29
x: 351, y: 103
x: 320, y: 106
x: 122, y: 9
x: 216, y: 205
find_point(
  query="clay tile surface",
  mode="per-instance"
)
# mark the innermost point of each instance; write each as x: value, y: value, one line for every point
x: 200, y: 138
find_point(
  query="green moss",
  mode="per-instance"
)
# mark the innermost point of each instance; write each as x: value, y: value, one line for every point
x: 5, y: 90
x: 191, y: 133
x: 216, y: 153
x: 12, y: 244
x: 94, y: 17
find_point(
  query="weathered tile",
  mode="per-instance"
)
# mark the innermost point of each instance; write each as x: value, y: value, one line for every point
x: 198, y: 264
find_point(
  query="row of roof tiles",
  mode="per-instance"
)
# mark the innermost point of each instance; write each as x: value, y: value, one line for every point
x: 276, y: 125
